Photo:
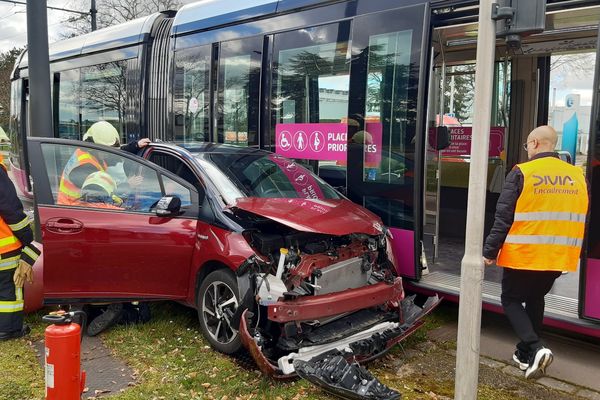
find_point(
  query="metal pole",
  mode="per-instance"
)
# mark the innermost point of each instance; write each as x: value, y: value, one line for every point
x: 93, y: 12
x: 40, y: 110
x: 469, y: 315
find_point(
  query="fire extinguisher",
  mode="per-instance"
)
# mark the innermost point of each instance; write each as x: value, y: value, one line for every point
x: 64, y: 378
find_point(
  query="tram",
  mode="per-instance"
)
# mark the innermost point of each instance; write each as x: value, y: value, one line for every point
x: 365, y: 93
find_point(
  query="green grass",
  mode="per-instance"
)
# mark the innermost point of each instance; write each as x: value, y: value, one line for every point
x: 22, y: 376
x: 171, y: 360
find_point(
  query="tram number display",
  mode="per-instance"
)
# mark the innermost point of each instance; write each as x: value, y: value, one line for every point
x: 326, y: 141
x: 460, y: 141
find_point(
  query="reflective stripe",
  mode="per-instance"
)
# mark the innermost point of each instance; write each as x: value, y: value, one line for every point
x: 27, y: 250
x: 9, y: 263
x: 19, y: 294
x: 19, y: 225
x: 11, y: 306
x: 8, y: 241
x: 549, y: 216
x: 543, y: 239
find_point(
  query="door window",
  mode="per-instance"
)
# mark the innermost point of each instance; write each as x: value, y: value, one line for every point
x: 175, y: 165
x: 311, y: 79
x: 238, y: 91
x: 383, y: 135
x: 105, y: 180
x: 192, y: 94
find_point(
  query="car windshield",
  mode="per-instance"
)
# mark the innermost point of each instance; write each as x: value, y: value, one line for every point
x: 241, y: 174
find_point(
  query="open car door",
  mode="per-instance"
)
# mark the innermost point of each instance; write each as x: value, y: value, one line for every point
x: 117, y: 249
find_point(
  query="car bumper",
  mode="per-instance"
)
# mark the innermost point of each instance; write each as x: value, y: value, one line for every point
x: 315, y: 307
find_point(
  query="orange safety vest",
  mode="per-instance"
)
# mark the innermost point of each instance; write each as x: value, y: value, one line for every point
x: 69, y: 193
x: 549, y: 224
x: 8, y: 241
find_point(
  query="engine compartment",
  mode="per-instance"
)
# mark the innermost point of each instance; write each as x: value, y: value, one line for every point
x: 292, y: 265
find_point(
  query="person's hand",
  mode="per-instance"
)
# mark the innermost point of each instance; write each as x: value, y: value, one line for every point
x: 135, y: 180
x: 143, y: 142
x: 24, y: 272
x: 488, y: 261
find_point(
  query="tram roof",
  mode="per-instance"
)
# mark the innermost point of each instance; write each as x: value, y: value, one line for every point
x: 209, y: 13
x: 127, y: 34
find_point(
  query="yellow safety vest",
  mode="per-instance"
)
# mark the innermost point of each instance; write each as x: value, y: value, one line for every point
x: 69, y: 193
x: 547, y: 232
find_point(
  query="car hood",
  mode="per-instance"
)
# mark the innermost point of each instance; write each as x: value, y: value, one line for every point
x: 330, y: 217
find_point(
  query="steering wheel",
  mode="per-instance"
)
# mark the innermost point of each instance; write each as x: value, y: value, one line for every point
x: 271, y: 192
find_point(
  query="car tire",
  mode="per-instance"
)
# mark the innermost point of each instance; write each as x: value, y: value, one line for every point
x: 217, y: 301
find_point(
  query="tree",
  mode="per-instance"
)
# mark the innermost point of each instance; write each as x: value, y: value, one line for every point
x: 7, y: 62
x: 113, y: 12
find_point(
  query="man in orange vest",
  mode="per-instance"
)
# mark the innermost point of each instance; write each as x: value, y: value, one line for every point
x: 17, y: 255
x: 537, y: 234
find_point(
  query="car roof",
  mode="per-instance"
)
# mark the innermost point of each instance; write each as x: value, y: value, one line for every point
x: 197, y: 148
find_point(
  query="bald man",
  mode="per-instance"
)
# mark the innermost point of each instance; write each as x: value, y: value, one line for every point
x: 537, y: 234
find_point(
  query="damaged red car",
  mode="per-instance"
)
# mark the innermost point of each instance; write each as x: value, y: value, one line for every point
x: 273, y: 258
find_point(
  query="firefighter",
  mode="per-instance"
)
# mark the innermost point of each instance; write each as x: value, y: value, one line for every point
x: 99, y: 191
x: 82, y: 163
x: 17, y: 256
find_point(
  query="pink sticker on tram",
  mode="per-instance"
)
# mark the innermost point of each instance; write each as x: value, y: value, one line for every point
x: 591, y: 308
x: 304, y: 183
x: 460, y: 141
x: 318, y: 141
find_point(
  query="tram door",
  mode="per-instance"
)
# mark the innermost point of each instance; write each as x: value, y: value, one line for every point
x: 385, y: 133
x: 589, y: 293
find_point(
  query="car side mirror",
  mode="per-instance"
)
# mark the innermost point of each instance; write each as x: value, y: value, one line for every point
x: 442, y: 134
x: 168, y: 206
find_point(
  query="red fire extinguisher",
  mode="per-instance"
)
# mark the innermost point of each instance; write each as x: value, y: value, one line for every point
x: 64, y: 378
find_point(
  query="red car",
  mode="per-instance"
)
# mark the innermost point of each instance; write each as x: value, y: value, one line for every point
x: 272, y: 257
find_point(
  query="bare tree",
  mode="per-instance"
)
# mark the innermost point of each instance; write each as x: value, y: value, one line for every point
x: 113, y: 12
x: 581, y: 65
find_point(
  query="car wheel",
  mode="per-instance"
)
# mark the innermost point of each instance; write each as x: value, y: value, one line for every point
x: 217, y: 302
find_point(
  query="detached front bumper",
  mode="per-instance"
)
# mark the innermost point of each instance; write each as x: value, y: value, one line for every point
x: 365, y: 346
x: 315, y: 307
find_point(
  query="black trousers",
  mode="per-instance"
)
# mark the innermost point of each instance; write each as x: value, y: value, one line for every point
x: 11, y: 303
x: 529, y: 288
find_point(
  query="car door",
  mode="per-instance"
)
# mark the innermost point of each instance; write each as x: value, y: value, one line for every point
x: 95, y: 252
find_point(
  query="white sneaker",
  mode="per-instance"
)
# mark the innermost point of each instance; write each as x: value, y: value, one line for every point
x: 521, y: 360
x: 540, y: 361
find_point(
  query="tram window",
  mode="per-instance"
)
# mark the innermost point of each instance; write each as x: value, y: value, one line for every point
x: 387, y: 144
x: 68, y: 104
x: 238, y: 91
x: 192, y: 94
x: 570, y: 103
x: 311, y: 81
x: 103, y: 95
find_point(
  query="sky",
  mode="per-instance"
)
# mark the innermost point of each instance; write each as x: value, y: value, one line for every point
x: 13, y: 22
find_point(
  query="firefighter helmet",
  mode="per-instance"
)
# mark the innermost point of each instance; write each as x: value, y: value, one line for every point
x: 102, y: 132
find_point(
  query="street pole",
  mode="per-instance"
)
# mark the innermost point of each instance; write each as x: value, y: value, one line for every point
x: 40, y: 111
x: 93, y: 13
x: 472, y: 268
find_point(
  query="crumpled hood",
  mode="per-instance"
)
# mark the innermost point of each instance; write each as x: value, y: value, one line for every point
x: 331, y: 217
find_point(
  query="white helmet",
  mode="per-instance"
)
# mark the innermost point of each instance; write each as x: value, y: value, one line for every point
x: 102, y: 132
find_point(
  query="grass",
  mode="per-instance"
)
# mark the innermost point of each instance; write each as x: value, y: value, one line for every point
x: 171, y: 360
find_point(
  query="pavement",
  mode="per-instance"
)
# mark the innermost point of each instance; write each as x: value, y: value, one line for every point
x: 105, y: 374
x: 575, y: 369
